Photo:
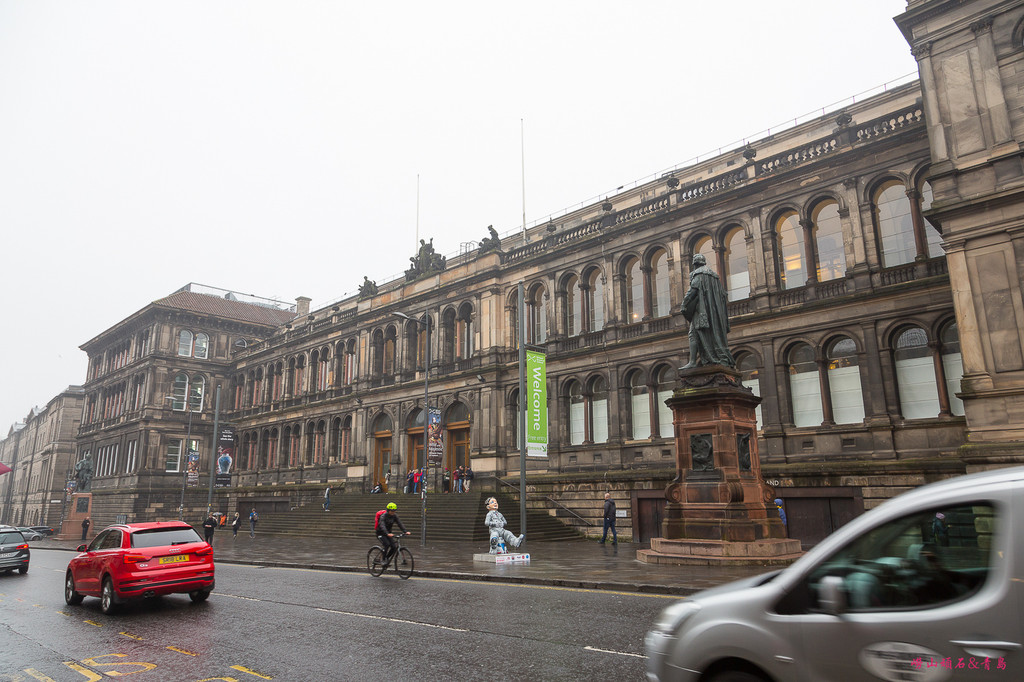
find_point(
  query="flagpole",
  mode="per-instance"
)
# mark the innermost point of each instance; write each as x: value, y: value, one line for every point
x: 522, y: 159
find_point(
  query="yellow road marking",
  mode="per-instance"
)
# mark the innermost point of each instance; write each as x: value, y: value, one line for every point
x: 64, y: 613
x: 90, y: 675
x: 182, y: 651
x: 128, y: 634
x: 243, y: 669
x: 92, y: 622
x: 39, y: 676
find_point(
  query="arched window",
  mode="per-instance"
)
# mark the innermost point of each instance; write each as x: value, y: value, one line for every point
x: 185, y: 339
x: 952, y: 366
x: 202, y: 346
x: 449, y: 343
x: 594, y: 300
x: 277, y: 381
x: 661, y: 291
x: 377, y: 347
x: 319, y: 442
x: 577, y: 413
x: 737, y: 273
x: 349, y: 374
x: 828, y: 240
x: 514, y: 418
x: 599, y: 409
x: 536, y: 316
x: 750, y: 376
x: 790, y: 244
x: 640, y: 406
x: 257, y: 387
x: 915, y: 375
x: 933, y: 238
x: 196, y: 393
x: 314, y: 371
x: 844, y: 382
x: 293, y: 436
x: 666, y: 385
x: 706, y: 248
x: 573, y: 307
x: 634, y: 293
x: 895, y: 224
x: 804, y: 387
x: 464, y: 332
x: 390, y: 341
x: 324, y: 370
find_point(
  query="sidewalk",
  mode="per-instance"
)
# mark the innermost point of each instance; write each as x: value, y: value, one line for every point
x: 578, y: 564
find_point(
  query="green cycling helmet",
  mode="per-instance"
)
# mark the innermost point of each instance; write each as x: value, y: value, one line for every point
x: 392, y: 506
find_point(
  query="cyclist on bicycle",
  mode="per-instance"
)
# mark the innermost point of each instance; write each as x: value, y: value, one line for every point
x: 385, y: 522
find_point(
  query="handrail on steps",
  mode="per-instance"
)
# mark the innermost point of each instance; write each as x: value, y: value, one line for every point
x: 549, y: 499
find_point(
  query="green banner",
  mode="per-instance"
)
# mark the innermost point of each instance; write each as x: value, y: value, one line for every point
x: 536, y: 404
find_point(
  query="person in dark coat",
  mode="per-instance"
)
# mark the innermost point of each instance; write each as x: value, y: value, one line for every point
x: 609, y: 519
x: 85, y: 528
x: 209, y: 525
x: 236, y: 522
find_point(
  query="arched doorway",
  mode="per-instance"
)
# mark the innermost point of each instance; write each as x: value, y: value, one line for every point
x: 456, y: 423
x: 382, y: 431
x: 414, y: 432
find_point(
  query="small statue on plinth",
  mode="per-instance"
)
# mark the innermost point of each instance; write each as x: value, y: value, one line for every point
x: 500, y: 537
x: 705, y: 307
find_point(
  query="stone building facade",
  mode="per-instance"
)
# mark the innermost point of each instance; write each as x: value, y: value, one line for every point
x: 40, y: 452
x: 873, y: 259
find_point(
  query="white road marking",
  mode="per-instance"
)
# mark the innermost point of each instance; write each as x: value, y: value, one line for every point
x: 393, y: 620
x: 610, y: 651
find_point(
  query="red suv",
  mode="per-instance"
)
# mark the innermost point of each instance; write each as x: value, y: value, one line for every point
x: 133, y: 560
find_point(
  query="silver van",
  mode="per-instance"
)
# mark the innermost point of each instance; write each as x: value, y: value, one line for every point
x: 928, y: 586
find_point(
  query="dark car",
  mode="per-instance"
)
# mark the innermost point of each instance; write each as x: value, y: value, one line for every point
x: 135, y: 560
x: 14, y: 552
x: 45, y: 531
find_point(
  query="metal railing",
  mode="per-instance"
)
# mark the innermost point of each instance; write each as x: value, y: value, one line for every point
x: 549, y: 499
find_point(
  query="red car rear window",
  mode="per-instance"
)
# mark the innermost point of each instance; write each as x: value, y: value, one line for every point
x: 163, y: 537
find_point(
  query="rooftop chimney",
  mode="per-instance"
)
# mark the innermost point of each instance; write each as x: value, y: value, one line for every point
x: 302, y: 306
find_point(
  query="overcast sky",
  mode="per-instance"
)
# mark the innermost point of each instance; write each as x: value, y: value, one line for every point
x: 273, y: 148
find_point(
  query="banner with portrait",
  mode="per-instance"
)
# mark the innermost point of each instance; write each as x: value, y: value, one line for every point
x: 435, y: 443
x: 225, y: 456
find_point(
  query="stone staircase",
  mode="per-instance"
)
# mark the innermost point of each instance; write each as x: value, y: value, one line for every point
x: 450, y: 517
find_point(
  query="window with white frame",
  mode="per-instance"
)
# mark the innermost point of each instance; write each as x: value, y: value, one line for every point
x: 599, y: 409
x: 131, y: 463
x: 804, y: 387
x: 750, y: 376
x: 844, y: 382
x: 661, y: 290
x: 640, y: 406
x: 915, y: 375
x: 737, y: 272
x: 666, y: 385
x: 952, y: 366
x: 577, y: 414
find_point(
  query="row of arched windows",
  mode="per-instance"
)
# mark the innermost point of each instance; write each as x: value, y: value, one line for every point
x: 336, y: 365
x: 807, y: 243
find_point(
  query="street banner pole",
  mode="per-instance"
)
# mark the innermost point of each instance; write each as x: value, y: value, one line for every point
x: 522, y: 408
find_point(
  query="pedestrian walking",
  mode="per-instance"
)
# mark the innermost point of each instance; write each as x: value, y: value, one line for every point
x: 209, y: 525
x: 253, y: 519
x: 236, y: 522
x: 418, y: 480
x: 327, y: 499
x: 609, y: 519
x: 85, y: 527
x: 467, y: 478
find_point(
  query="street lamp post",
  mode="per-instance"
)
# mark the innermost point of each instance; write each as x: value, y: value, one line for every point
x: 214, y: 449
x: 426, y: 422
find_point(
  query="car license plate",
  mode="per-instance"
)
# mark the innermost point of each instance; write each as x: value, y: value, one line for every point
x: 174, y: 559
x: 8, y: 555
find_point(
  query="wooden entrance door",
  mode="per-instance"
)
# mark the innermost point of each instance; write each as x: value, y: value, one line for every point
x: 650, y: 513
x: 458, y: 448
x: 414, y: 453
x: 381, y: 458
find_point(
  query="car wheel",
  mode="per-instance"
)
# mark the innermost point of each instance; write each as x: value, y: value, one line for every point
x: 70, y: 595
x: 108, y: 600
x: 737, y: 676
x: 23, y: 570
x: 199, y: 595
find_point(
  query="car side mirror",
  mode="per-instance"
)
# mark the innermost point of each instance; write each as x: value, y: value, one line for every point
x: 831, y: 598
x: 82, y: 548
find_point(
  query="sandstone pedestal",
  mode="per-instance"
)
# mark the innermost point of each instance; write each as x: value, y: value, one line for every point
x: 79, y: 508
x: 717, y: 508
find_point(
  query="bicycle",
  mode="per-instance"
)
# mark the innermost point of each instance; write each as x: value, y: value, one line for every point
x: 402, y: 560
